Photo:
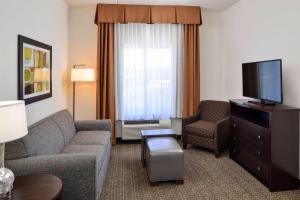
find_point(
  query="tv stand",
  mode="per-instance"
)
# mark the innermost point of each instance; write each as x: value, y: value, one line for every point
x: 263, y: 103
x: 265, y: 141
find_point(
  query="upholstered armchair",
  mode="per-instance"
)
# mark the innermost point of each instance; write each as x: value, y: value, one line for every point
x: 209, y: 128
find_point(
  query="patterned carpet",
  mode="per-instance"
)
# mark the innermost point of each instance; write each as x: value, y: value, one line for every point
x: 205, y: 178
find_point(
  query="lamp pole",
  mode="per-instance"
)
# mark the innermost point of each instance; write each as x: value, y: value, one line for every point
x: 74, y: 99
x: 74, y: 90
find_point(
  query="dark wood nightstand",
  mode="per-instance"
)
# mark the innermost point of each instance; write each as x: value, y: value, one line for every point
x: 36, y: 187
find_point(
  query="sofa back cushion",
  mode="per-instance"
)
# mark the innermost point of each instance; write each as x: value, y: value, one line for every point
x: 44, y: 138
x: 15, y: 150
x: 65, y: 122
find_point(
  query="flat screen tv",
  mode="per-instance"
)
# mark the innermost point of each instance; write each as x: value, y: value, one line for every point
x: 263, y: 80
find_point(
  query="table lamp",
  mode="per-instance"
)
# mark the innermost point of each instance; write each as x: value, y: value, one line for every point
x: 13, y: 126
x: 81, y: 75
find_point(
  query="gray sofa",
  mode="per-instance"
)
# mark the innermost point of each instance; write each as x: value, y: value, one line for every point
x: 77, y: 152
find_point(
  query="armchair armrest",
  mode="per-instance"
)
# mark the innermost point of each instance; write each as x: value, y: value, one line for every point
x: 77, y: 172
x: 189, y: 120
x: 94, y: 125
x: 222, y: 135
x: 186, y: 121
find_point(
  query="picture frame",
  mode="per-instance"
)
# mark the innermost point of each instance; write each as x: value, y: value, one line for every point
x: 34, y: 70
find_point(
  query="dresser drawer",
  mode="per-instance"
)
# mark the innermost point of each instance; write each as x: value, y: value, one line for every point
x: 258, y: 135
x: 235, y: 126
x: 260, y: 153
x: 250, y: 162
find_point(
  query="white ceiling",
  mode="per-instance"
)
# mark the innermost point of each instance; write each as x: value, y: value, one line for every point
x: 208, y: 4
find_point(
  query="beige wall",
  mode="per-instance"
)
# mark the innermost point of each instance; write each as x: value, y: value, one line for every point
x: 45, y: 21
x: 261, y: 30
x: 210, y: 56
x: 83, y: 50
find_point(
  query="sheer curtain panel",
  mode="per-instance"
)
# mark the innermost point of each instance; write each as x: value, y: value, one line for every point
x: 149, y: 63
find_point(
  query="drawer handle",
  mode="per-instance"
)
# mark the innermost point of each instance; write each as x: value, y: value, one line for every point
x: 234, y: 125
x: 258, y: 168
x: 258, y: 137
x: 259, y: 153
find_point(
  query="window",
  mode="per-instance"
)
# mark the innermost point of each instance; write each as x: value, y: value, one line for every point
x: 149, y: 69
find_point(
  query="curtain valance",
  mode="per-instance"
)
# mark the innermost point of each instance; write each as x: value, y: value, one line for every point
x: 122, y: 13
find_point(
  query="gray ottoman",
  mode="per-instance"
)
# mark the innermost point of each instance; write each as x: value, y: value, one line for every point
x: 164, y: 160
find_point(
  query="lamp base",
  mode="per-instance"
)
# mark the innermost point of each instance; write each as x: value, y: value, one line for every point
x: 6, y: 196
x: 7, y: 178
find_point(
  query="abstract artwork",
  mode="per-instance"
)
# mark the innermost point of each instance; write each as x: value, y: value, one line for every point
x: 35, y: 70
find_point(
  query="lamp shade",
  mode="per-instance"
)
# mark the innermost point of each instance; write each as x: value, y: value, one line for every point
x: 13, y: 120
x: 82, y: 75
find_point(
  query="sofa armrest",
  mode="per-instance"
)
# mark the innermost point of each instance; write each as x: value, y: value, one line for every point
x: 222, y: 135
x: 77, y: 172
x: 94, y: 125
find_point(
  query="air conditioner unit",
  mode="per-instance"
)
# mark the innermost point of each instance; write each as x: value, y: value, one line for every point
x: 131, y: 130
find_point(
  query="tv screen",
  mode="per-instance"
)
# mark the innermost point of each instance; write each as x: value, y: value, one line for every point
x: 263, y: 80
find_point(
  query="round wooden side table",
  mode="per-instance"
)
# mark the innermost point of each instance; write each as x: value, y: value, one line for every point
x: 36, y: 187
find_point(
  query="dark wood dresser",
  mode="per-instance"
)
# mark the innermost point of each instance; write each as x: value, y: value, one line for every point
x: 265, y: 141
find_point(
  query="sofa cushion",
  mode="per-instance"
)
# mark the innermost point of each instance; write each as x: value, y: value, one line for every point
x: 91, y: 138
x: 202, y: 128
x: 65, y: 122
x: 98, y: 150
x: 15, y: 150
x: 44, y: 138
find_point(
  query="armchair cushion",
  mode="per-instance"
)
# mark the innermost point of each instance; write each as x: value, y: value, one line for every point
x: 202, y: 128
x: 214, y: 111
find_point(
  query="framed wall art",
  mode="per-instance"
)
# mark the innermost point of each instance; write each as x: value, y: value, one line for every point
x: 35, y: 70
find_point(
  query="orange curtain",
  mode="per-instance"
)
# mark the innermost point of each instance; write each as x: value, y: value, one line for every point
x: 106, y: 72
x: 122, y: 13
x: 191, y: 84
x: 109, y: 14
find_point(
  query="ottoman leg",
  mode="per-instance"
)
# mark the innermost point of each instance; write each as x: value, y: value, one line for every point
x: 153, y: 183
x: 179, y: 182
x: 217, y: 153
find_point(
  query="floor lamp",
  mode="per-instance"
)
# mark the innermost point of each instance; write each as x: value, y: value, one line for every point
x: 80, y: 75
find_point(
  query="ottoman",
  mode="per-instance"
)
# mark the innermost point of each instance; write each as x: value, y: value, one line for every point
x: 164, y: 160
